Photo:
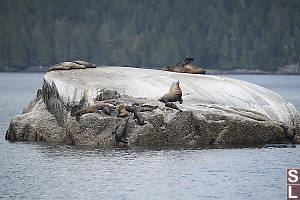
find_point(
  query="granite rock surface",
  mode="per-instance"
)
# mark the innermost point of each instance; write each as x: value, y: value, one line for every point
x: 215, y: 110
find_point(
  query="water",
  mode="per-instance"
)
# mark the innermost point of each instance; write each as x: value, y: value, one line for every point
x: 52, y: 171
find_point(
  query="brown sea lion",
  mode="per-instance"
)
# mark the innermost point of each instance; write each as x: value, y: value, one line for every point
x: 175, y: 69
x: 83, y: 111
x: 194, y: 70
x: 107, y: 110
x: 191, y: 69
x: 102, y: 105
x: 172, y: 105
x: 120, y: 132
x: 137, y: 104
x: 184, y: 67
x: 86, y: 64
x: 106, y: 107
x: 139, y: 117
x: 66, y: 66
x: 130, y: 108
x: 175, y: 94
x: 142, y: 108
x: 122, y: 111
x: 95, y: 108
x: 145, y: 109
x: 149, y: 106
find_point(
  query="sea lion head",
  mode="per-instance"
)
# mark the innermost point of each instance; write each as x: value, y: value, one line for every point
x: 167, y: 68
x: 107, y: 110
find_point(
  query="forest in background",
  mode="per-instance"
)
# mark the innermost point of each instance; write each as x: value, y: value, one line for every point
x: 219, y: 34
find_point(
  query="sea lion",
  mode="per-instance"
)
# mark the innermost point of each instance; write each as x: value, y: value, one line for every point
x: 112, y: 102
x: 290, y: 131
x: 120, y: 132
x: 149, y: 106
x: 107, y: 110
x: 145, y: 109
x: 66, y: 66
x: 106, y: 107
x: 95, y: 108
x: 137, y: 104
x: 175, y: 94
x: 102, y: 105
x: 172, y: 105
x: 139, y: 117
x: 86, y: 64
x: 142, y: 108
x: 176, y: 69
x: 130, y: 108
x: 194, y: 70
x: 122, y: 111
x: 184, y: 67
x: 83, y: 111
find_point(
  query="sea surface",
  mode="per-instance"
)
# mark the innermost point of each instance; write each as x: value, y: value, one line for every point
x: 53, y: 171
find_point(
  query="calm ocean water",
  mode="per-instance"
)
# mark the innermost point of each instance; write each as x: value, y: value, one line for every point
x: 52, y: 171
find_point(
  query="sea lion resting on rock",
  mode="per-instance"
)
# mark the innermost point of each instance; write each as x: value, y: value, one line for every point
x: 106, y: 107
x: 175, y: 69
x: 192, y: 69
x: 175, y: 94
x: 141, y: 108
x: 86, y: 64
x: 95, y: 108
x: 290, y: 131
x: 184, y: 67
x: 122, y: 111
x: 130, y: 108
x: 72, y: 65
x: 172, y: 105
x: 66, y: 66
x: 139, y: 117
x: 79, y: 113
x: 120, y: 132
x: 149, y: 106
x: 102, y: 105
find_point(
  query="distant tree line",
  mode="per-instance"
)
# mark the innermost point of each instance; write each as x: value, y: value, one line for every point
x: 224, y: 34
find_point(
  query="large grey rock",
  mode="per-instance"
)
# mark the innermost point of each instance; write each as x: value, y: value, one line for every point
x: 216, y: 110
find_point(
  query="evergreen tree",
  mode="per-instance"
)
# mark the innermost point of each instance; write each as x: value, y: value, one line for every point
x: 226, y: 34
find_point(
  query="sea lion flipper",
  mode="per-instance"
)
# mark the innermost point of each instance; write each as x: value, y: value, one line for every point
x: 115, y: 130
x: 187, y: 60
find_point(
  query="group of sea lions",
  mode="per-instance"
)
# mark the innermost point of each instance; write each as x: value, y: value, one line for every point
x: 123, y: 110
x: 174, y: 95
x: 78, y: 64
x: 180, y: 67
x: 185, y: 67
